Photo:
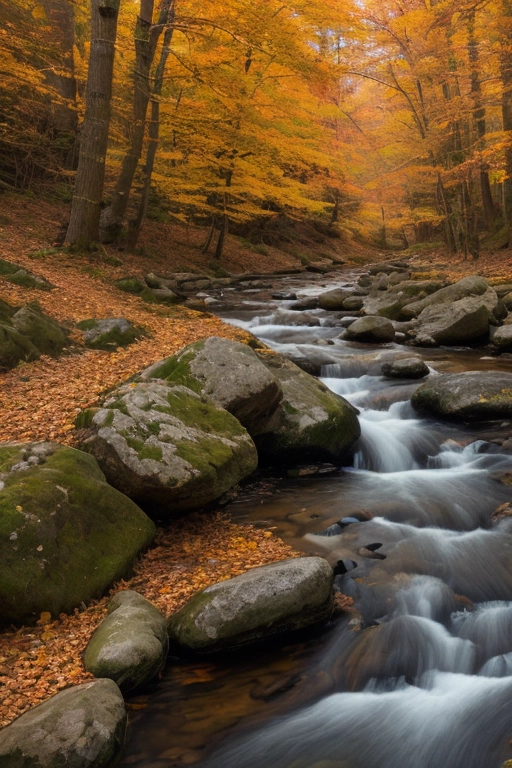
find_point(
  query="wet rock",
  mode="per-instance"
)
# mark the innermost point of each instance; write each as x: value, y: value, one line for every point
x: 228, y: 372
x: 459, y: 322
x: 332, y: 300
x: 406, y: 368
x: 167, y: 447
x: 67, y: 534
x: 471, y: 286
x: 110, y: 333
x: 472, y: 395
x: 353, y: 303
x: 130, y: 645
x: 311, y: 423
x: 390, y: 303
x: 305, y: 303
x: 81, y: 727
x: 264, y: 602
x: 502, y: 338
x: 376, y: 330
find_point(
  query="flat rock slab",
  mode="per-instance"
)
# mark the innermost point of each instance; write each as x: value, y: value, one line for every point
x: 167, y: 447
x: 130, y: 645
x: 229, y: 373
x: 259, y: 604
x: 65, y: 534
x: 81, y: 727
x: 472, y: 396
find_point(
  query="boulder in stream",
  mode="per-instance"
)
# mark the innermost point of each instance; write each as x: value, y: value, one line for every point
x: 472, y: 396
x: 259, y: 604
x: 405, y: 368
x: 311, y: 423
x: 130, y: 645
x: 373, y: 330
x: 81, y: 727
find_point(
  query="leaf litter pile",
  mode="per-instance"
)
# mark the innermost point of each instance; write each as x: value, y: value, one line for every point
x: 40, y: 401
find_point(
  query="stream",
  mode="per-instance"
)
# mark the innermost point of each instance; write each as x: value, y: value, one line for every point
x: 419, y: 673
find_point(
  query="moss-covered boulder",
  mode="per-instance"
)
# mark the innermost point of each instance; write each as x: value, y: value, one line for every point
x: 130, y: 285
x: 264, y: 602
x: 44, y: 332
x: 130, y: 645
x: 110, y: 333
x: 472, y: 396
x: 167, y: 447
x: 15, y: 347
x: 81, y: 727
x: 228, y: 372
x: 65, y: 534
x: 311, y: 423
x: 27, y: 280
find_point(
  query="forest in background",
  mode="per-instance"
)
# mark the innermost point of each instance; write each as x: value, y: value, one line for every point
x: 387, y: 122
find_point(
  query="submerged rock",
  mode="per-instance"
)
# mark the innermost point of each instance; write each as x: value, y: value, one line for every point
x: 81, y: 727
x: 259, y: 604
x: 65, y: 535
x: 130, y: 645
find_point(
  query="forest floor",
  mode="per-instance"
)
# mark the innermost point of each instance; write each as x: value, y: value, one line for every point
x: 40, y: 400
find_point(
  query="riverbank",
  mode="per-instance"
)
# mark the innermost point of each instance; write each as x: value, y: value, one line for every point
x: 40, y: 400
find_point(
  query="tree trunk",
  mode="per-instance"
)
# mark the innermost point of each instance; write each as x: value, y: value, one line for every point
x: 506, y: 109
x: 61, y: 17
x: 154, y: 127
x: 83, y: 229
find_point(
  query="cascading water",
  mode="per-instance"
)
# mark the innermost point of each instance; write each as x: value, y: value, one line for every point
x: 423, y: 678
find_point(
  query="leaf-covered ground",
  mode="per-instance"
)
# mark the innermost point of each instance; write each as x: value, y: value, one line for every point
x: 40, y: 400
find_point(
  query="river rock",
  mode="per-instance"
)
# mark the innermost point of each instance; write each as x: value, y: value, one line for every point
x: 502, y: 338
x: 228, y: 372
x: 332, y: 300
x: 473, y: 285
x: 459, y: 322
x: 375, y: 330
x: 65, y: 534
x: 311, y: 423
x: 167, y: 447
x: 130, y: 645
x: 390, y: 303
x: 353, y: 303
x: 472, y: 395
x: 81, y: 727
x: 259, y: 604
x: 406, y: 368
x: 110, y: 333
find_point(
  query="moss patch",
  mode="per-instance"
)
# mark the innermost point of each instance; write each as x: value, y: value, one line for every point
x: 203, y: 415
x: 176, y: 369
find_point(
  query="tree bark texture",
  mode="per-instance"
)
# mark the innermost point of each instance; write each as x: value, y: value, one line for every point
x: 83, y: 229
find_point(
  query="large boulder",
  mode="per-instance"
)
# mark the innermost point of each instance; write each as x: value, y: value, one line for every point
x: 259, y: 604
x: 332, y: 300
x: 311, y: 423
x: 26, y: 333
x: 459, y: 322
x: 130, y: 645
x: 406, y: 368
x: 391, y: 303
x: 375, y: 330
x: 472, y: 395
x: 229, y: 373
x: 81, y: 727
x: 167, y: 447
x: 65, y: 534
x: 473, y: 285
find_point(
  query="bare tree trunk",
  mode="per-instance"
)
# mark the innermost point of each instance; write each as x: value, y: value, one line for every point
x: 83, y: 229
x: 480, y: 123
x: 146, y: 40
x: 61, y: 17
x: 506, y: 111
x: 154, y: 130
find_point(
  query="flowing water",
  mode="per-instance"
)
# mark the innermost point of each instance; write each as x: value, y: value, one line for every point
x: 419, y: 673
